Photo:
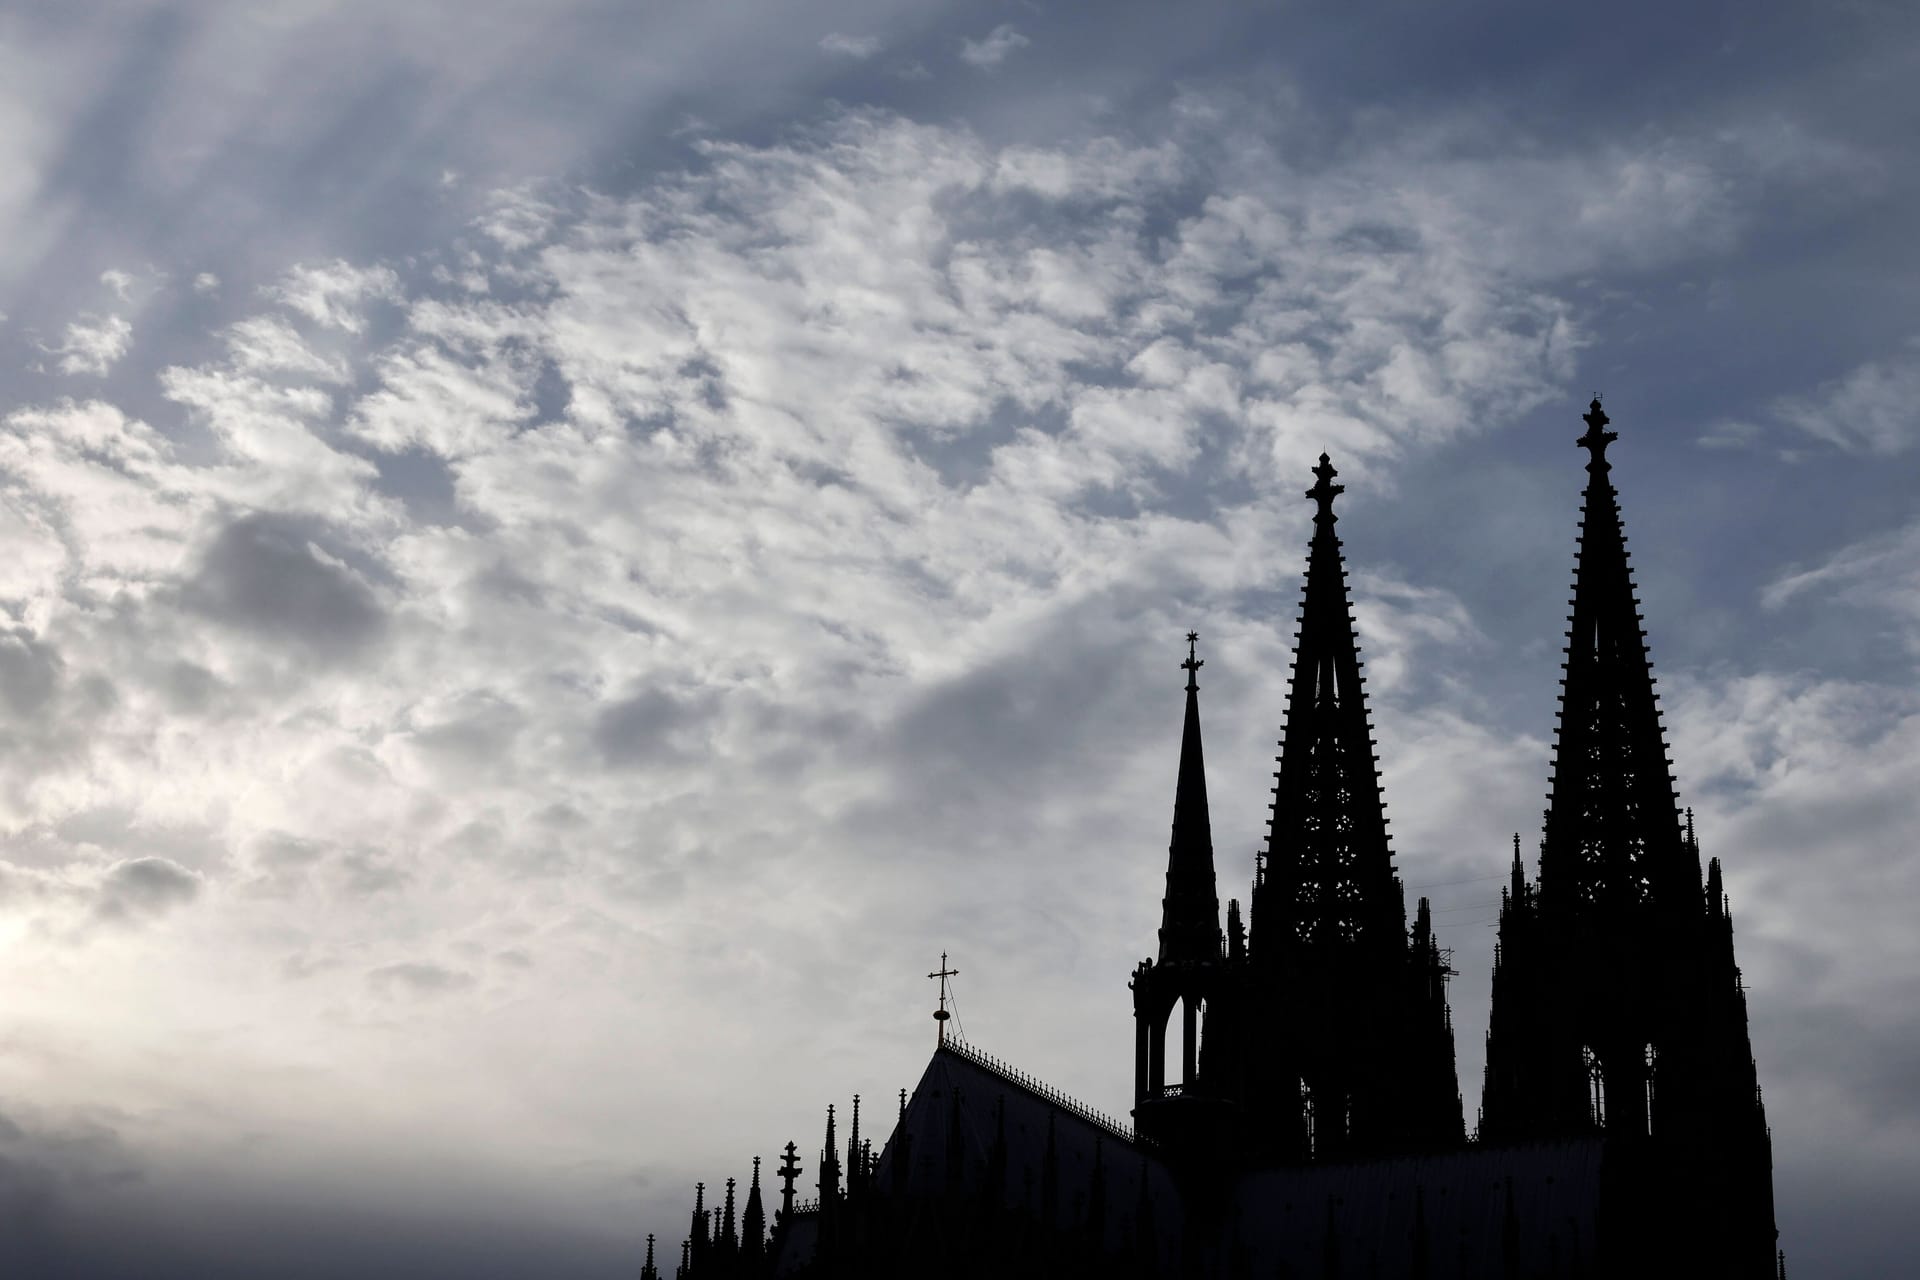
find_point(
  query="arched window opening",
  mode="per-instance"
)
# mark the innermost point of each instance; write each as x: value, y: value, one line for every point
x: 1189, y: 1015
x: 1596, y: 1087
x: 1652, y: 1057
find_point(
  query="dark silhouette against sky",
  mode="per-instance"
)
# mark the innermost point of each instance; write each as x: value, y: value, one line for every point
x: 554, y: 560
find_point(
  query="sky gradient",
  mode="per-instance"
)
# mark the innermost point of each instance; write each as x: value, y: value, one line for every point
x: 556, y: 556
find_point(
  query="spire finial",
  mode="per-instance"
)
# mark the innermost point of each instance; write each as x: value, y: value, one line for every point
x: 1598, y: 437
x: 1325, y: 491
x: 1192, y: 665
x: 941, y: 1015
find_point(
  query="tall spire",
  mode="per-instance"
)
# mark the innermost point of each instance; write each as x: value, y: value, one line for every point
x: 1617, y: 1006
x: 697, y: 1242
x: 1190, y: 913
x: 1613, y: 839
x: 1328, y: 864
x: 647, y: 1270
x: 855, y: 1170
x: 829, y: 1184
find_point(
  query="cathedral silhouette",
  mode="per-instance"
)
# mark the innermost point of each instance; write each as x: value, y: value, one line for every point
x: 1316, y: 1129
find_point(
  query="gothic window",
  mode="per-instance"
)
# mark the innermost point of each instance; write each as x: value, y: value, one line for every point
x: 1596, y: 1087
x: 1652, y: 1065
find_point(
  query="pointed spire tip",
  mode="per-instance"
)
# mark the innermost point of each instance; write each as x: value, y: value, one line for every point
x: 1597, y: 438
x: 1324, y: 491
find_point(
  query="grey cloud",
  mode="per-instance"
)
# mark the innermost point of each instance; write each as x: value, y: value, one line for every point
x: 286, y: 863
x: 265, y: 574
x: 366, y: 874
x: 1872, y: 408
x: 651, y: 726
x: 973, y: 760
x: 992, y: 49
x: 1872, y: 1054
x: 143, y: 889
x: 190, y: 688
x: 29, y: 887
x: 857, y: 47
x: 478, y: 734
x: 279, y: 851
x: 29, y: 671
x: 419, y: 978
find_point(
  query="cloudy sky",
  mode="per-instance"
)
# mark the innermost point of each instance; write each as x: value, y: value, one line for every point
x: 556, y: 556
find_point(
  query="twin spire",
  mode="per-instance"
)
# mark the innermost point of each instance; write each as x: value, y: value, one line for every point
x: 1613, y: 839
x: 1328, y: 870
x: 1327, y: 1033
x: 1327, y: 852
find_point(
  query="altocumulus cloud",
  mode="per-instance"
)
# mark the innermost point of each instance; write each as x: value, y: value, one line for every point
x: 665, y: 592
x: 93, y: 345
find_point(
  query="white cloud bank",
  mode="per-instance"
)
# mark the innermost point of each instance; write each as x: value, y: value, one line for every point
x: 780, y: 557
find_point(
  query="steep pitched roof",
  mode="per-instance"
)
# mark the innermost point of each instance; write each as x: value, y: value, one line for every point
x: 976, y: 1127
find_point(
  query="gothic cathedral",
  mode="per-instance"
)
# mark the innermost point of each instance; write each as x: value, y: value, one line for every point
x: 1307, y: 1120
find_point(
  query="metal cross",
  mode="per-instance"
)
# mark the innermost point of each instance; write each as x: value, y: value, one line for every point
x: 941, y: 1015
